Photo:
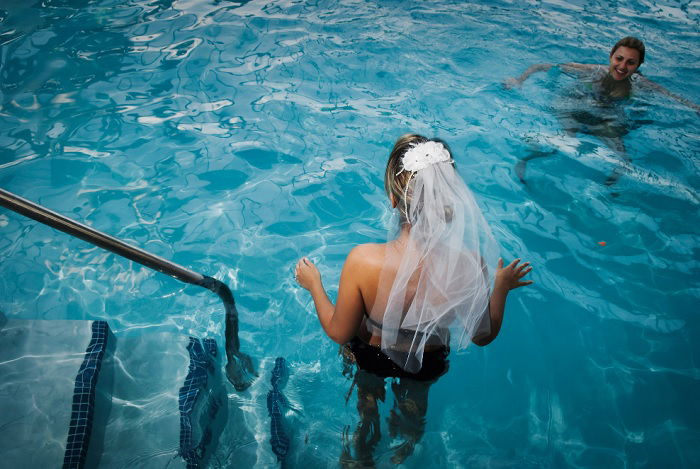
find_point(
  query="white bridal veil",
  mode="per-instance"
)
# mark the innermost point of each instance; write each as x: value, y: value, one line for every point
x: 435, y: 283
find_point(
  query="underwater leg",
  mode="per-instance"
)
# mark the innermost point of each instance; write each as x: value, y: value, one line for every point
x: 407, y: 418
x: 618, y: 146
x: 370, y: 390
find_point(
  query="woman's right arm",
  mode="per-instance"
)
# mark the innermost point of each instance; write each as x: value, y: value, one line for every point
x: 569, y: 67
x: 517, y: 81
x: 507, y: 278
x: 341, y: 321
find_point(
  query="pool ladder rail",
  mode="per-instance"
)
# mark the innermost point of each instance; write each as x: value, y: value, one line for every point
x: 240, y: 370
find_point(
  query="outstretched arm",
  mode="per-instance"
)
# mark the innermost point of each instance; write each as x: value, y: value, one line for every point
x: 645, y: 82
x: 340, y: 321
x: 507, y: 278
x: 517, y: 81
x: 570, y: 67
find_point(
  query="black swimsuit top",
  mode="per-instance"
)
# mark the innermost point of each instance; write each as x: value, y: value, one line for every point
x: 375, y: 327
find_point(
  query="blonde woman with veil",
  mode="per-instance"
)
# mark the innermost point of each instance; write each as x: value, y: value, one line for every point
x: 436, y: 285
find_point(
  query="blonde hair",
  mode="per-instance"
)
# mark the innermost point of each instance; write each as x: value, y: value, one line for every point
x: 396, y: 180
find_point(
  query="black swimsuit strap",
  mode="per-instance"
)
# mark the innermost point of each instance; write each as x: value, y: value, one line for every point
x: 372, y: 322
x: 378, y: 325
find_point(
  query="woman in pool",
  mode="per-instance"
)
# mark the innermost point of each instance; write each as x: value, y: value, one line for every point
x: 594, y: 107
x: 436, y: 284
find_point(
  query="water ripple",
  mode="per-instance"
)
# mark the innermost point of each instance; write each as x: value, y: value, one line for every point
x: 235, y: 137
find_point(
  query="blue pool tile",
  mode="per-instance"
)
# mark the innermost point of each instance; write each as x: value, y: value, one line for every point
x: 83, y: 406
x: 201, y: 364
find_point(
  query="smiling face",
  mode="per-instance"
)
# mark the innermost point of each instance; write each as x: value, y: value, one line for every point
x: 624, y: 61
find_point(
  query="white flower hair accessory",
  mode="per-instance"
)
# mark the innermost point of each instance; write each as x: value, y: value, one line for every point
x: 424, y: 154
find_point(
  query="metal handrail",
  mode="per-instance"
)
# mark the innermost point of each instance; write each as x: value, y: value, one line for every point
x: 239, y: 366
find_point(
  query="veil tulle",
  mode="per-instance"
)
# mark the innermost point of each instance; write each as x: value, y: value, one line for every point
x: 435, y: 282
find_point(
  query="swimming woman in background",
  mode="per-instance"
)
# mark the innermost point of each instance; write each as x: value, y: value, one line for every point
x: 595, y: 108
x: 436, y: 284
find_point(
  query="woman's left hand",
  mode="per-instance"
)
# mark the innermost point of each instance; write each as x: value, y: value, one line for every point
x: 306, y: 274
x: 510, y: 276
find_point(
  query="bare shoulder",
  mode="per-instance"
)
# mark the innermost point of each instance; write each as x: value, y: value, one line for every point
x: 366, y: 256
x: 363, y: 268
x: 640, y: 79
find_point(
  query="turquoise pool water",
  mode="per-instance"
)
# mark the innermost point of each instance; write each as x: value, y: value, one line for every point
x: 235, y: 137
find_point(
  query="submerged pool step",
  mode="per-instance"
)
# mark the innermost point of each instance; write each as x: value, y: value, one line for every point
x: 74, y: 395
x: 169, y: 402
x: 39, y: 363
x: 142, y: 428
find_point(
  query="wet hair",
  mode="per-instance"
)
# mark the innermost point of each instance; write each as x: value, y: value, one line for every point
x: 395, y: 179
x: 632, y: 43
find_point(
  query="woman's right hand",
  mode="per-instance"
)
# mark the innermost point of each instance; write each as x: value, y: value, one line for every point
x: 509, y: 277
x: 306, y: 274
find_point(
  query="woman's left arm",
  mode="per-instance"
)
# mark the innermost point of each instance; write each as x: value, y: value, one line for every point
x: 647, y: 83
x: 507, y: 278
x: 340, y: 321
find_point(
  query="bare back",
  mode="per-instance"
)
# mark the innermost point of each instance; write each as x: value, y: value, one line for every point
x: 379, y: 264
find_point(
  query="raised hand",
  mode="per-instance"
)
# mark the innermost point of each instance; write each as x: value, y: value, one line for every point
x: 306, y: 274
x: 509, y: 277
